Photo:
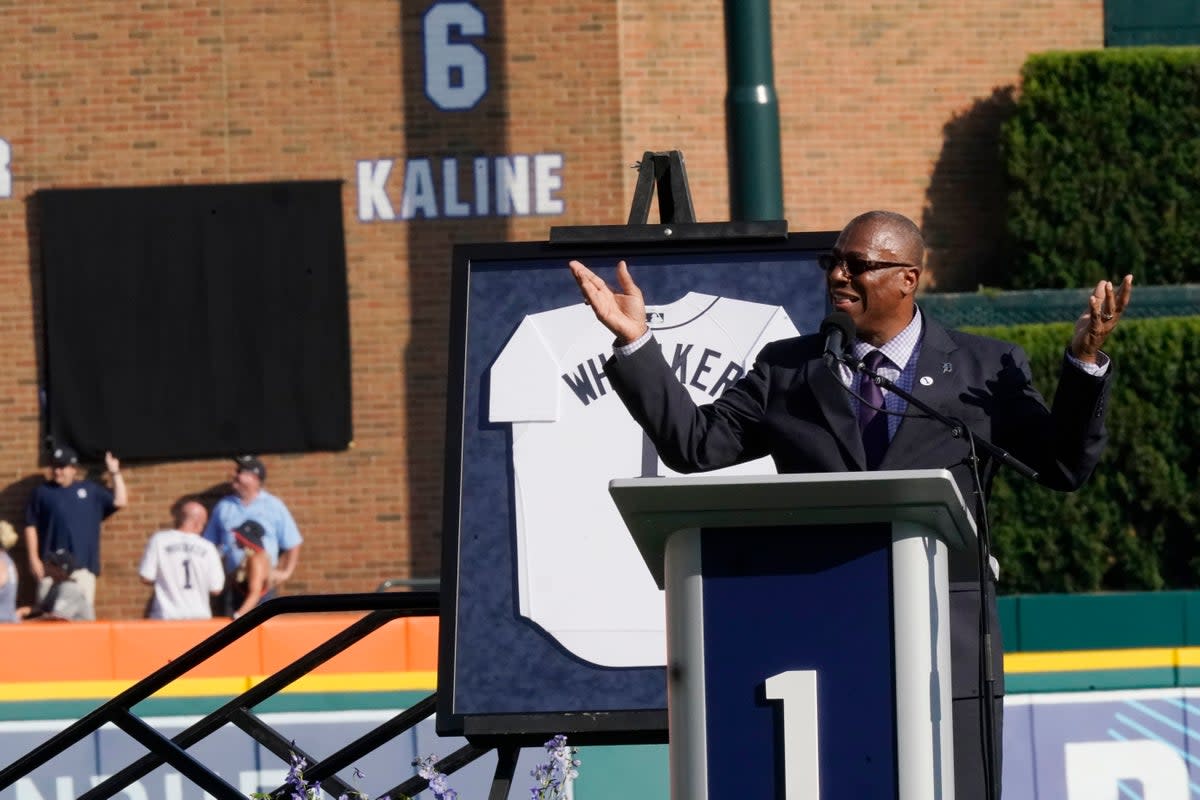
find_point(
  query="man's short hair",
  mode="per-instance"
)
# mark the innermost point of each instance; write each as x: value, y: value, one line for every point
x: 899, y: 223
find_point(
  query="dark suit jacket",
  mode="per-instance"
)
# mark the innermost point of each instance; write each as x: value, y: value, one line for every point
x: 791, y: 407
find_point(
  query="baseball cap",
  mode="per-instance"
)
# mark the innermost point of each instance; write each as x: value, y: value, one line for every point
x: 251, y: 464
x: 63, y: 456
x: 250, y: 534
x: 62, y: 559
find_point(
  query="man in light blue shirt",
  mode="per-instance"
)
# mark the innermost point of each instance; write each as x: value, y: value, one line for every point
x: 281, y: 539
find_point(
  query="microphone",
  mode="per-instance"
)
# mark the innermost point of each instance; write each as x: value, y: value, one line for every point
x: 838, y: 330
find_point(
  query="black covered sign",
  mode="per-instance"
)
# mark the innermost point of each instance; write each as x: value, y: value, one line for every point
x: 192, y: 321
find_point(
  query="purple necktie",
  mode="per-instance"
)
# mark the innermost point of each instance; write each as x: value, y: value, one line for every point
x: 872, y: 423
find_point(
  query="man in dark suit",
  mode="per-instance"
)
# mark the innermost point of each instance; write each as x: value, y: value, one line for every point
x: 790, y: 406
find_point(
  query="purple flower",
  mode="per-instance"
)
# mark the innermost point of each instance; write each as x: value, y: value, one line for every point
x: 553, y: 779
x: 295, y: 778
x: 437, y: 781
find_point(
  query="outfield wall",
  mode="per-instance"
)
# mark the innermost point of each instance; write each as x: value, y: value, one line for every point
x: 1108, y: 702
x: 63, y: 671
x: 1057, y: 745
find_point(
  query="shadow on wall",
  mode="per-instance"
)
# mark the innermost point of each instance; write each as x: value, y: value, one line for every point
x: 964, y: 213
x: 479, y: 130
x: 207, y: 497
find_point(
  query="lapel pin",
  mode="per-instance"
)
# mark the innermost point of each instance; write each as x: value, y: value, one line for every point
x: 926, y: 380
x: 947, y: 368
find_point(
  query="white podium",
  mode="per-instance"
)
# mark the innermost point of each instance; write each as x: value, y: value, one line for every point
x: 808, y: 630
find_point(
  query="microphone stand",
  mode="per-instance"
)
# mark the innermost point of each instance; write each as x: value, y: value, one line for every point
x: 958, y: 429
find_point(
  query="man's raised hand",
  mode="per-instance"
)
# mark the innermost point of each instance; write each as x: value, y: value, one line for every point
x: 624, y: 312
x: 1105, y: 307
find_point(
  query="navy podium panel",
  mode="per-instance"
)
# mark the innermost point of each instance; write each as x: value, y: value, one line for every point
x: 782, y: 599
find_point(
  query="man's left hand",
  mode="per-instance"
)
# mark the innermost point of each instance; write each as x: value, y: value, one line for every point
x: 112, y: 463
x: 1104, y: 310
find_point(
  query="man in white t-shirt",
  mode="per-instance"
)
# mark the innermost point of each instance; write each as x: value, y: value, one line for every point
x: 183, y: 567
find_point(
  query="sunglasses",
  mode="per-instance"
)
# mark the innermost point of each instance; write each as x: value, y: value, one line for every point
x: 855, y: 265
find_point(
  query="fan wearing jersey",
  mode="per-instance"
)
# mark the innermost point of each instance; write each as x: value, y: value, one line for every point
x: 183, y: 567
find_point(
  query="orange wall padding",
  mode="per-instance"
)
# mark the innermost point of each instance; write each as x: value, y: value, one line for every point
x: 81, y: 651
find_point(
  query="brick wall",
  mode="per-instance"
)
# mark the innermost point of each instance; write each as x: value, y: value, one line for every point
x: 883, y: 105
x: 897, y: 105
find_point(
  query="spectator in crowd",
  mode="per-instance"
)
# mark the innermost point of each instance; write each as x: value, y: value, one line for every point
x: 183, y: 567
x: 66, y: 599
x: 250, y: 578
x: 65, y: 513
x: 8, y: 574
x: 249, y: 500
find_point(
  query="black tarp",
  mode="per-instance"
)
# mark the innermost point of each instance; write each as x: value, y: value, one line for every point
x: 192, y: 321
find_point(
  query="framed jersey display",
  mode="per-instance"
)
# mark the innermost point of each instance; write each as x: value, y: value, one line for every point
x: 551, y: 622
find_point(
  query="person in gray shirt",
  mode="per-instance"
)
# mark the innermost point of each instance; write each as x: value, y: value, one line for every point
x: 66, y: 598
x: 8, y: 574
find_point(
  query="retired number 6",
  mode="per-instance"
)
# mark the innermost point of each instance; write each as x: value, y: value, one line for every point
x: 455, y: 69
x: 798, y: 691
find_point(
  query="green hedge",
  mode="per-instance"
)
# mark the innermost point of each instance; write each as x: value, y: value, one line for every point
x: 1134, y: 525
x: 1102, y: 158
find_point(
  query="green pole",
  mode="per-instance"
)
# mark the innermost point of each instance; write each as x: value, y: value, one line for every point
x: 752, y: 113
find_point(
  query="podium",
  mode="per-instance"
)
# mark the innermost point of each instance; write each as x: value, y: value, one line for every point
x: 808, y: 630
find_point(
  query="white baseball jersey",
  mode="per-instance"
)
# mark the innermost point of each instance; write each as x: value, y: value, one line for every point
x: 186, y: 569
x: 579, y: 573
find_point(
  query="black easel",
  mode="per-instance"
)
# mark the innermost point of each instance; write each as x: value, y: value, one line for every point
x: 676, y: 215
x: 666, y: 171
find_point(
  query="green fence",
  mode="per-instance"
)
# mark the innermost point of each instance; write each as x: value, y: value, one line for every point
x: 988, y: 308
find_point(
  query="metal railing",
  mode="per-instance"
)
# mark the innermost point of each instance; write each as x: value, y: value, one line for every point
x: 383, y: 607
x: 409, y: 584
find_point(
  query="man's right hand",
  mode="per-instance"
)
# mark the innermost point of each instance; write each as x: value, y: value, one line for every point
x: 36, y: 567
x: 622, y: 313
